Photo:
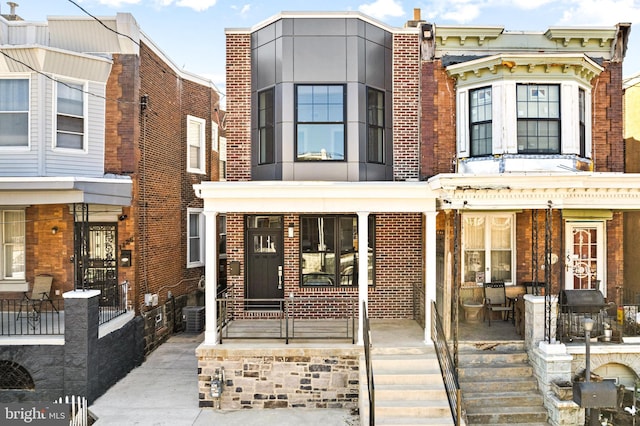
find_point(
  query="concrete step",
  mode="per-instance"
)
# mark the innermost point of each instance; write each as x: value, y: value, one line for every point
x: 506, y: 415
x: 418, y: 409
x: 407, y: 378
x: 412, y: 421
x: 493, y: 371
x: 425, y: 391
x: 518, y: 398
x: 469, y: 359
x: 503, y: 384
x: 404, y: 362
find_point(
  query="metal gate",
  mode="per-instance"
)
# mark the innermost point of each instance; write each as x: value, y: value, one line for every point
x: 96, y: 255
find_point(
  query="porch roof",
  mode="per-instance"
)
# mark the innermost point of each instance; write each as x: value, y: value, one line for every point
x: 110, y: 190
x: 316, y: 196
x: 537, y: 190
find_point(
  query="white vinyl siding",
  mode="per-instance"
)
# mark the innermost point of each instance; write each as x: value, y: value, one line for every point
x: 196, y: 145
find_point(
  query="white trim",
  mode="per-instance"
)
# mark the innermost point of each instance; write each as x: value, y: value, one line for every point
x: 200, y: 142
x: 29, y: 114
x: 201, y: 236
x: 601, y: 248
x: 85, y: 117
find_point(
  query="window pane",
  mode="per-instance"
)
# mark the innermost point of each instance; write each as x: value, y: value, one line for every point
x: 375, y: 124
x: 264, y: 222
x: 70, y: 124
x: 266, y: 127
x: 324, y: 107
x: 538, y: 118
x: 14, y: 129
x: 68, y: 140
x: 194, y: 157
x: 320, y: 141
x: 480, y: 121
x: 70, y: 99
x: 194, y: 225
x: 13, y: 244
x: 14, y: 95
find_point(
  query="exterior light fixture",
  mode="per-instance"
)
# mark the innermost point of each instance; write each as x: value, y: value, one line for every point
x: 54, y: 230
x: 290, y: 230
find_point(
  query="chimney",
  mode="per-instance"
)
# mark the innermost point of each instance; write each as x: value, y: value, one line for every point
x: 416, y: 19
x: 12, y: 13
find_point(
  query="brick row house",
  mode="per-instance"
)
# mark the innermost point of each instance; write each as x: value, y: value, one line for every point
x: 101, y: 141
x: 401, y: 166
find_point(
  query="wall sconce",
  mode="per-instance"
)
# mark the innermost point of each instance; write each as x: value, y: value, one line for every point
x: 122, y: 217
x: 54, y: 230
x: 290, y: 230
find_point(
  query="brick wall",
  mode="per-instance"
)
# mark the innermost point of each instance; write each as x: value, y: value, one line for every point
x: 281, y: 378
x: 437, y: 120
x: 239, y: 107
x: 406, y: 106
x: 608, y: 119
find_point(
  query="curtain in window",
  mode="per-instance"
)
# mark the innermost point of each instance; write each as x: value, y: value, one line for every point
x: 13, y: 244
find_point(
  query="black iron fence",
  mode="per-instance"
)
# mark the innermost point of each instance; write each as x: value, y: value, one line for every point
x: 366, y: 332
x: 611, y: 323
x: 287, y: 318
x: 447, y: 366
x: 113, y: 301
x: 31, y: 317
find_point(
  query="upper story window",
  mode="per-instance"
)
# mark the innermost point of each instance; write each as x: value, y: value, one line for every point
x: 582, y: 114
x: 70, y: 119
x: 266, y: 142
x: 320, y: 122
x: 14, y: 113
x: 375, y: 126
x: 12, y: 250
x: 195, y: 145
x: 480, y: 121
x: 195, y: 238
x: 538, y: 118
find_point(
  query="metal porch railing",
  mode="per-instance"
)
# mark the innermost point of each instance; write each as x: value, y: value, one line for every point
x: 18, y: 317
x: 288, y: 318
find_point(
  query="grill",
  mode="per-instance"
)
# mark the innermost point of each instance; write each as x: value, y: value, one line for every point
x: 582, y: 301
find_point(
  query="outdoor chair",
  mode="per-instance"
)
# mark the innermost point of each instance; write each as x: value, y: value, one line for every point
x: 495, y: 300
x: 31, y: 302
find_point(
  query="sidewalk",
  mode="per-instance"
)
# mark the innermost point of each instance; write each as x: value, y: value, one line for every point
x: 164, y: 391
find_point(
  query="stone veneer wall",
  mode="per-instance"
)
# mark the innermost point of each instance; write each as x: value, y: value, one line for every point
x: 281, y: 377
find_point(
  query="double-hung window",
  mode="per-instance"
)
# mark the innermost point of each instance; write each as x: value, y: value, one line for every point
x: 375, y: 126
x: 480, y: 121
x: 12, y: 235
x: 329, y: 250
x: 320, y: 122
x: 70, y: 121
x: 14, y: 112
x: 195, y: 145
x: 487, y: 243
x: 538, y: 118
x: 266, y: 142
x: 195, y: 238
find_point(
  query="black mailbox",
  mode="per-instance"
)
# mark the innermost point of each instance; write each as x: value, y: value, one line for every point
x: 595, y: 394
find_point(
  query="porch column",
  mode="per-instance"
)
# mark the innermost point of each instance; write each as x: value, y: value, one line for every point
x: 211, y: 278
x: 363, y: 270
x: 429, y: 271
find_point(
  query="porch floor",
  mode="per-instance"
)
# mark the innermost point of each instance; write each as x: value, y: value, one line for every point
x: 481, y: 331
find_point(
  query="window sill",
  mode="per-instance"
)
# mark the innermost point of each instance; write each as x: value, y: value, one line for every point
x: 11, y: 286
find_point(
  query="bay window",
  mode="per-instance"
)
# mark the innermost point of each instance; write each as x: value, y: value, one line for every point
x: 266, y: 141
x: 320, y: 122
x: 70, y: 122
x: 375, y: 126
x: 480, y: 120
x: 538, y: 107
x: 14, y: 112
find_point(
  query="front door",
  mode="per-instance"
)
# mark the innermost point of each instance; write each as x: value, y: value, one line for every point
x: 97, y: 266
x: 585, y: 256
x: 265, y: 260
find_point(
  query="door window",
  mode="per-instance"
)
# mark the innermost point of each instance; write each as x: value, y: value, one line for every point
x: 585, y: 256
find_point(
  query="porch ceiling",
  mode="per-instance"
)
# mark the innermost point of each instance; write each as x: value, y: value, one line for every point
x: 63, y: 190
x: 508, y: 191
x: 317, y: 197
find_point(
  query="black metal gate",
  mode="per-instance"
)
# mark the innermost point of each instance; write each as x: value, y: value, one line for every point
x: 97, y: 267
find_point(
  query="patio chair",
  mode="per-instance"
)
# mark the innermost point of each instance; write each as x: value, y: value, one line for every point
x: 495, y: 300
x: 32, y: 301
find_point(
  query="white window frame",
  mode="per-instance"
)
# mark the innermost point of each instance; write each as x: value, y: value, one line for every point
x: 601, y: 254
x: 201, y: 236
x: 26, y: 147
x: 505, y: 120
x: 487, y: 245
x: 85, y: 121
x: 215, y: 134
x: 196, y: 141
x: 222, y: 174
x: 11, y: 283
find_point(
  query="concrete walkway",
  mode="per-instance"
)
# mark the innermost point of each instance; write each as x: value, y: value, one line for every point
x: 164, y: 391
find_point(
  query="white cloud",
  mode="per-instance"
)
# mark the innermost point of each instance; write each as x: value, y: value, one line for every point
x: 245, y: 9
x: 601, y: 12
x: 381, y: 9
x: 524, y: 4
x: 463, y: 13
x: 197, y: 5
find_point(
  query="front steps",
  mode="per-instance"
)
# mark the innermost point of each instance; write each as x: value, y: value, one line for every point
x: 408, y: 388
x: 498, y: 386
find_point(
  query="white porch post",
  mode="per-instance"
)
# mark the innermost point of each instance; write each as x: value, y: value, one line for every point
x: 429, y: 271
x: 211, y: 278
x: 363, y: 269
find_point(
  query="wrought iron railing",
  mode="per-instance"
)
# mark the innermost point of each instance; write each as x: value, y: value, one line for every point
x: 611, y: 323
x: 113, y: 301
x: 447, y: 367
x: 287, y: 318
x: 366, y: 333
x: 31, y: 317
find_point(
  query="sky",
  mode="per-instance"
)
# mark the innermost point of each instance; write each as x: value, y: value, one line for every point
x: 191, y: 32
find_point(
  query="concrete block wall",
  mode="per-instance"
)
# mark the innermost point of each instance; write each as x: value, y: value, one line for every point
x: 281, y: 377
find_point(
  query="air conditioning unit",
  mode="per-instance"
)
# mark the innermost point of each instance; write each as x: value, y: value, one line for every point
x: 193, y: 317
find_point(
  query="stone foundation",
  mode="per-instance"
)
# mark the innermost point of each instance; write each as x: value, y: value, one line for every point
x: 280, y: 377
